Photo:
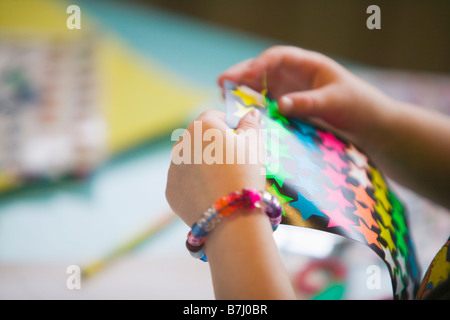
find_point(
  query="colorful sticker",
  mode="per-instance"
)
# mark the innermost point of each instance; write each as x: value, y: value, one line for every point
x: 328, y: 184
x: 437, y: 276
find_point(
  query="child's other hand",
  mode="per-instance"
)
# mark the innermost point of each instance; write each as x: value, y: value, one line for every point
x: 405, y: 141
x: 193, y: 188
x: 309, y: 84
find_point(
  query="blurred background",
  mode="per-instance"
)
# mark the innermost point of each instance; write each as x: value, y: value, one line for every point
x: 86, y: 117
x: 414, y: 34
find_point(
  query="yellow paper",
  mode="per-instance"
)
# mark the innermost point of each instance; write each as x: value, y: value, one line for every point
x: 7, y: 181
x: 144, y: 100
x: 138, y: 98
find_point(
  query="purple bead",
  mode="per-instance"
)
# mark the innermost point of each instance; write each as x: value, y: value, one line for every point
x: 273, y: 207
x: 275, y: 221
x: 277, y: 207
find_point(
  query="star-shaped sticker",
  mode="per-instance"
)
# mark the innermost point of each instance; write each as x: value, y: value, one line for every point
x: 362, y: 196
x: 365, y: 214
x: 272, y: 108
x: 329, y: 140
x: 283, y: 199
x: 307, y: 183
x: 306, y: 162
x: 360, y: 175
x: 400, y: 285
x: 396, y: 204
x: 385, y: 234
x: 337, y: 177
x: 306, y: 207
x: 377, y: 179
x: 382, y: 196
x: 276, y: 128
x: 333, y: 158
x: 241, y: 110
x: 306, y: 140
x: 400, y: 230
x: 402, y: 245
x: 336, y: 196
x: 369, y: 235
x: 276, y: 171
x: 338, y: 219
x: 357, y: 157
x: 304, y: 127
x: 441, y: 269
x: 278, y: 150
x: 249, y: 97
x: 389, y: 259
x: 402, y: 264
x: 385, y: 216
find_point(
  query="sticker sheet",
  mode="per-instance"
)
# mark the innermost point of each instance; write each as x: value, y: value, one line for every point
x: 328, y: 184
x: 51, y: 124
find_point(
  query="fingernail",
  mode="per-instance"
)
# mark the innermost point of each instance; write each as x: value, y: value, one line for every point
x: 256, y: 115
x: 286, y: 103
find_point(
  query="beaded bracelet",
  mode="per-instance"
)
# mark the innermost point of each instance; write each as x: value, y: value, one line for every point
x: 247, y: 198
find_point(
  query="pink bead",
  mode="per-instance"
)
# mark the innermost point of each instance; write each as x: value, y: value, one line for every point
x: 251, y: 197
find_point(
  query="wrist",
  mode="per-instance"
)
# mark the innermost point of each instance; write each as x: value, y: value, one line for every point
x: 244, y: 260
x: 372, y: 111
x: 231, y: 236
x: 381, y: 119
x: 248, y: 199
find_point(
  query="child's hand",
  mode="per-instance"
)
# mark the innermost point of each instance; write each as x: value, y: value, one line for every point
x: 410, y: 144
x: 193, y: 188
x: 309, y: 84
x: 241, y: 250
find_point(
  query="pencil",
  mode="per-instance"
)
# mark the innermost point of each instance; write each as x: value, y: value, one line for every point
x: 128, y: 246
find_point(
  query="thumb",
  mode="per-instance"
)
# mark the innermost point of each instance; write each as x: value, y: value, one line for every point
x: 251, y: 120
x: 304, y: 103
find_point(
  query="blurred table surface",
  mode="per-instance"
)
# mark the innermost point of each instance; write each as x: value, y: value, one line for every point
x: 43, y: 232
